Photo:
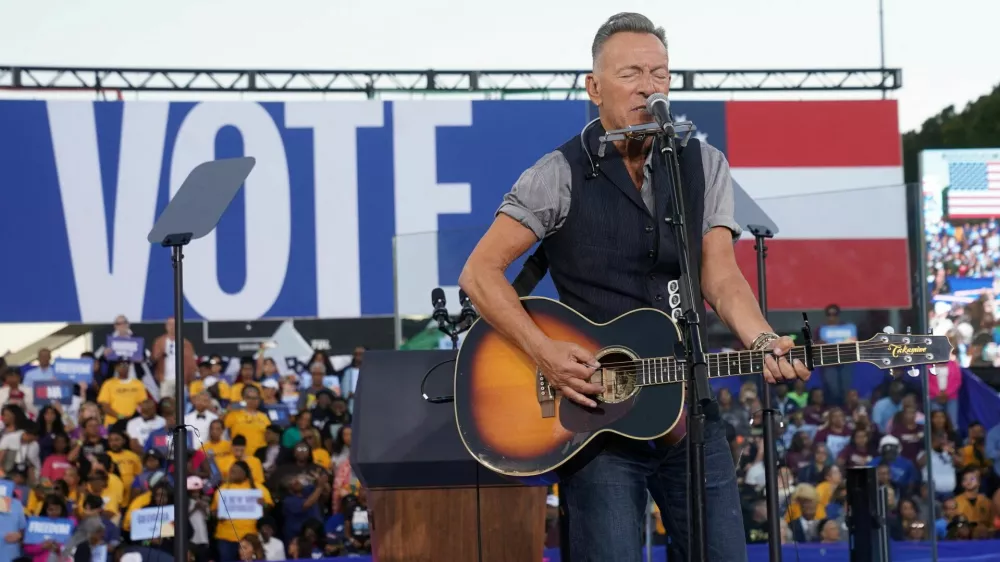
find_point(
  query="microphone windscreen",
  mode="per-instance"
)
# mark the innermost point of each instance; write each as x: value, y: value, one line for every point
x: 437, y: 297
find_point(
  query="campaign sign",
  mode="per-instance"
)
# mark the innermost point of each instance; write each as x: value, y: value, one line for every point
x: 75, y: 370
x: 153, y: 523
x: 41, y: 529
x: 161, y: 441
x: 240, y: 505
x: 278, y: 414
x: 6, y: 488
x: 839, y: 333
x: 126, y: 348
x: 47, y: 392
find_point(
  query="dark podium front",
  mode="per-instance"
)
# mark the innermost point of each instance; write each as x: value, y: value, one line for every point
x: 429, y: 500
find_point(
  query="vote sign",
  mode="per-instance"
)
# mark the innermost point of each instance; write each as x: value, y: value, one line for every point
x: 240, y: 505
x: 838, y: 334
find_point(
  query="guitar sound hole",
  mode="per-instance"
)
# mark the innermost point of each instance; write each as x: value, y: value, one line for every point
x: 617, y: 376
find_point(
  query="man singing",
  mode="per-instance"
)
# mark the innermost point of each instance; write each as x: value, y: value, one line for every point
x: 604, y: 223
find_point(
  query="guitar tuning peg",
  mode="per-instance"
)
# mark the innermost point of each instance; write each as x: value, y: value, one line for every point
x: 909, y: 330
x: 889, y: 330
x: 892, y: 373
x: 913, y: 372
x: 932, y: 370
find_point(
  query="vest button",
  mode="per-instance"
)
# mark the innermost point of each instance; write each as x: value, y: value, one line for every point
x: 658, y: 298
x: 649, y: 228
x: 651, y: 254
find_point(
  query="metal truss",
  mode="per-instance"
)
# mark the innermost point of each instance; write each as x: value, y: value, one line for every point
x: 371, y: 83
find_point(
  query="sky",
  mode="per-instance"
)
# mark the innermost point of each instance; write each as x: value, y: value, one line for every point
x: 946, y: 50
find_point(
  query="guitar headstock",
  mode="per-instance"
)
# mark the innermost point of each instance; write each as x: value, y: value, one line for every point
x: 888, y: 350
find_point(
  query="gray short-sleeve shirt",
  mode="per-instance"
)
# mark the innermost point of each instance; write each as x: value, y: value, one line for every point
x: 541, y: 196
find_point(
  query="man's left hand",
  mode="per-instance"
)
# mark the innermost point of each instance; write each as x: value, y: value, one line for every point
x: 777, y: 368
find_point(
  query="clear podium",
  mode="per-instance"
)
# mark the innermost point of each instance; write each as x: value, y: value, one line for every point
x: 428, y: 499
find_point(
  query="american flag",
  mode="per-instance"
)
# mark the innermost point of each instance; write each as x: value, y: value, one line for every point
x: 974, y: 190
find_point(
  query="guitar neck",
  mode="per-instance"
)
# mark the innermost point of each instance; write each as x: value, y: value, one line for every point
x: 662, y: 370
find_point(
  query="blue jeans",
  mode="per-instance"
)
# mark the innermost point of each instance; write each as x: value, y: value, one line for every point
x: 606, y: 499
x: 228, y: 551
x: 838, y: 381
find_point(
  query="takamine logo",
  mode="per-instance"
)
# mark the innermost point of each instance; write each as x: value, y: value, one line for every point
x: 896, y: 350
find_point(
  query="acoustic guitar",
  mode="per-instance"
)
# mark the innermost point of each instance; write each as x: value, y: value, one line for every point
x: 514, y: 423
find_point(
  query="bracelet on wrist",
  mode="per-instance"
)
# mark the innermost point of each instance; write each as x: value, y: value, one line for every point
x: 761, y: 341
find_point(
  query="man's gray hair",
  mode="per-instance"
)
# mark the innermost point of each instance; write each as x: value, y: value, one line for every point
x: 625, y: 22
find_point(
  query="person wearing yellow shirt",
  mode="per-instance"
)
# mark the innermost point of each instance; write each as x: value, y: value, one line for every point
x: 229, y: 533
x: 244, y: 380
x: 320, y: 455
x: 217, y: 388
x: 129, y: 464
x: 216, y: 446
x: 97, y: 486
x: 239, y: 454
x: 120, y: 397
x: 249, y: 422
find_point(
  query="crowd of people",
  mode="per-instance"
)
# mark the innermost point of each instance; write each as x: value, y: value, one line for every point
x: 963, y: 250
x: 268, y: 449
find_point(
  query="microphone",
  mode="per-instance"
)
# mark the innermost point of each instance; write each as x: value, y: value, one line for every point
x: 440, y: 307
x: 468, y: 311
x: 659, y: 107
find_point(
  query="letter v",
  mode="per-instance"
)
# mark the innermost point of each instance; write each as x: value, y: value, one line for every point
x: 105, y: 288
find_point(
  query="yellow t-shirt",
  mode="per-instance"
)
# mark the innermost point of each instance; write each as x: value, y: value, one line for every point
x: 236, y: 391
x: 129, y: 465
x: 219, y: 448
x: 236, y: 529
x: 198, y: 385
x: 256, y: 468
x: 140, y: 501
x: 252, y: 426
x: 322, y: 458
x: 124, y: 396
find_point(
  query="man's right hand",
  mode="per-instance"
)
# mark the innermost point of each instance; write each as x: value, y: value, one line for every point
x: 568, y: 368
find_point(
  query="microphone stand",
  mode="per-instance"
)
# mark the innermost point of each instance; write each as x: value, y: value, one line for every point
x: 760, y: 234
x: 700, y: 392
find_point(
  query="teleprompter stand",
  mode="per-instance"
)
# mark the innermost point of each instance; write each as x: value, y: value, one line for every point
x: 191, y: 214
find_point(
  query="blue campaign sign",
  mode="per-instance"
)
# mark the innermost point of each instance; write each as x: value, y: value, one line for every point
x: 335, y: 184
x: 6, y: 488
x: 47, y: 392
x: 839, y: 333
x: 74, y: 370
x: 132, y: 349
x: 41, y: 529
x: 279, y: 414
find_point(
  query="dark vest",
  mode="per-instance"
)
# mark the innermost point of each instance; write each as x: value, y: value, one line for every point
x: 611, y: 254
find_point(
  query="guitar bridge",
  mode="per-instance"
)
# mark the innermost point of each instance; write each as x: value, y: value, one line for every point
x: 546, y: 397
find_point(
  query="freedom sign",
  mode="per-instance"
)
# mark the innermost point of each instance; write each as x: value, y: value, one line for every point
x: 41, y: 529
x: 153, y: 523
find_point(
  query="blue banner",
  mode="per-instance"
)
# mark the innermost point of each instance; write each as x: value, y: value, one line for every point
x: 41, y: 529
x: 838, y: 334
x: 6, y: 488
x: 132, y: 349
x: 74, y: 370
x: 279, y: 414
x: 333, y: 182
x: 47, y: 392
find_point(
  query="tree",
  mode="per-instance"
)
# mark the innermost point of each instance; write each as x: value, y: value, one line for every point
x: 977, y: 126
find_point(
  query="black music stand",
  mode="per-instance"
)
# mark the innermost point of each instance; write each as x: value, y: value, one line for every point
x: 749, y: 213
x: 191, y: 214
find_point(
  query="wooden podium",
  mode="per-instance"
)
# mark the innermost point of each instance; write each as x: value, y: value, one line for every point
x: 428, y: 499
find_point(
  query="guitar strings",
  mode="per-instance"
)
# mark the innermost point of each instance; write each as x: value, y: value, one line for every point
x: 736, y: 354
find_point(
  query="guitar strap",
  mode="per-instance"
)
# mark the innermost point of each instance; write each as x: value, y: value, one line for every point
x: 532, y: 272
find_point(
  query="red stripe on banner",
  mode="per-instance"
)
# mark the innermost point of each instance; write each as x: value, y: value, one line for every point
x: 813, y: 133
x: 811, y: 274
